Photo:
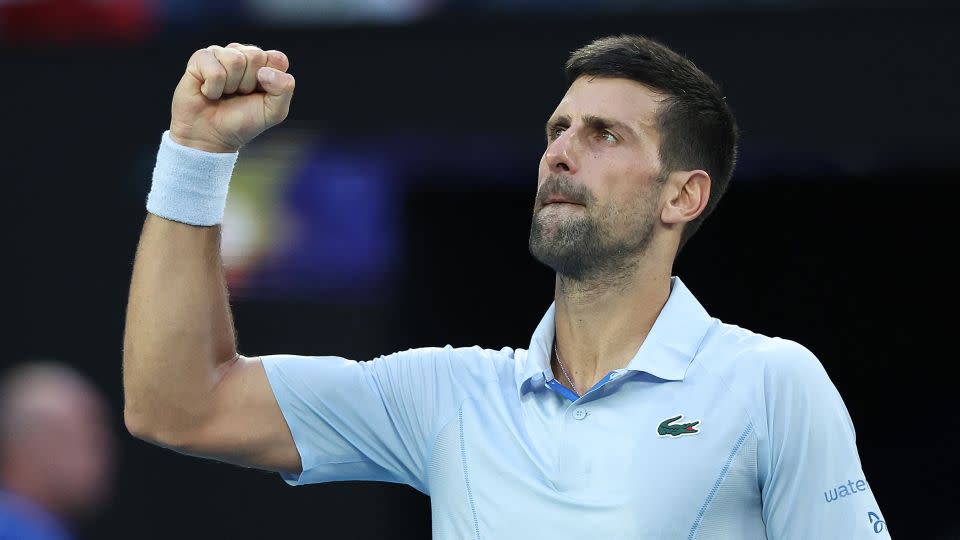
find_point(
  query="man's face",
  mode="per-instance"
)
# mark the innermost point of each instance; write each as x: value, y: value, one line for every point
x: 72, y: 444
x: 601, y: 158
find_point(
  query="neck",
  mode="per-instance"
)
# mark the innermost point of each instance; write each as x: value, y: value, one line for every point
x: 601, y: 324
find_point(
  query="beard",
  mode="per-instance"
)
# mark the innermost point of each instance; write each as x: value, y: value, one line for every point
x: 590, y: 245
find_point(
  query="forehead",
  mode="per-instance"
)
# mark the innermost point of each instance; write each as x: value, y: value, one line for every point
x: 620, y: 99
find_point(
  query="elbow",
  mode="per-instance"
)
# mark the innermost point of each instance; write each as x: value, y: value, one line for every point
x: 149, y: 430
x: 181, y: 435
x: 135, y: 414
x: 141, y: 427
x: 135, y: 423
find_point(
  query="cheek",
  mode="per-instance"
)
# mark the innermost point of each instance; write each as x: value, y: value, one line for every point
x: 620, y: 184
x: 635, y: 179
x: 633, y: 204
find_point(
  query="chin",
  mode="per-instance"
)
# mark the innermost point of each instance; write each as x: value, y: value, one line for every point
x: 567, y: 260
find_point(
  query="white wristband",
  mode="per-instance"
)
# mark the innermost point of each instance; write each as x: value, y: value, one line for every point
x: 190, y: 185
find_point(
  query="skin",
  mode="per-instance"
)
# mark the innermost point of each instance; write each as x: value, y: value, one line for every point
x: 185, y: 385
x: 614, y: 251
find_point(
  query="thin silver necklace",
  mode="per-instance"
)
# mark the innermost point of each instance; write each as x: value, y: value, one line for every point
x: 564, y: 369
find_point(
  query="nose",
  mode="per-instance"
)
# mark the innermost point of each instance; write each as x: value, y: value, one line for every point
x: 561, y: 155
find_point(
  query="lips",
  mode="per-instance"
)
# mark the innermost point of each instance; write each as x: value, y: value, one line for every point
x: 558, y: 200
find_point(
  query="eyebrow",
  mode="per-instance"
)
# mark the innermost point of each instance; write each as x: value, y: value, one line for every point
x: 593, y: 121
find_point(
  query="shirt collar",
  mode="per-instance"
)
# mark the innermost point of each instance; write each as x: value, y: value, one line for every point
x: 666, y: 352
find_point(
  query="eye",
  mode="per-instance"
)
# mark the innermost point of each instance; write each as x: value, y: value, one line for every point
x: 555, y: 132
x: 608, y: 136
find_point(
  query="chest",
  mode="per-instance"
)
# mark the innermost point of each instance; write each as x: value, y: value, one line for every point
x: 635, y: 461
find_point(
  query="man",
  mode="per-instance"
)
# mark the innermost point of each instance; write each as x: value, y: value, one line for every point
x: 55, y: 451
x: 632, y: 414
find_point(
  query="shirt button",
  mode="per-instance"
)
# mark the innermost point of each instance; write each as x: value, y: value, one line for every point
x: 580, y: 414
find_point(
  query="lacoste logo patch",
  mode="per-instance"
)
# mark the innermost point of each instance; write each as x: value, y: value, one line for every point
x: 668, y: 428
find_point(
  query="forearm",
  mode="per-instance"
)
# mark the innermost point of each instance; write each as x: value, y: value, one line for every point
x: 179, y: 347
x: 179, y: 336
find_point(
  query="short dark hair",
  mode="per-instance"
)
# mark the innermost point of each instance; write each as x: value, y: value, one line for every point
x: 697, y: 127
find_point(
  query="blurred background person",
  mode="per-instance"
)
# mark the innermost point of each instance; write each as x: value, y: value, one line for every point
x: 55, y: 451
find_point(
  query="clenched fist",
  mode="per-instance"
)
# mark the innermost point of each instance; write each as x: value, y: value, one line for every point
x: 229, y: 95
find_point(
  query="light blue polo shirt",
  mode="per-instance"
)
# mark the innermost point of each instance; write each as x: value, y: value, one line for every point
x: 711, y: 431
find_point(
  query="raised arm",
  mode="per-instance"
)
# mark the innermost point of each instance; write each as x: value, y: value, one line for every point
x: 185, y: 386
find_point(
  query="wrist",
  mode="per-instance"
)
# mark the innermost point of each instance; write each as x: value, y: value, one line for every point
x: 189, y: 184
x: 183, y: 138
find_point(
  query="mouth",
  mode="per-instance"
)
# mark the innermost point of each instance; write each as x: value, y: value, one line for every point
x: 558, y: 200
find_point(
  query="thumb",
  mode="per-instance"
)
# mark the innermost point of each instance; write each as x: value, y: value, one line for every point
x: 278, y: 87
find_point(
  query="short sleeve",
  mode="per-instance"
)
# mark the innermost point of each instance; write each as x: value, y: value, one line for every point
x: 369, y: 420
x: 812, y: 482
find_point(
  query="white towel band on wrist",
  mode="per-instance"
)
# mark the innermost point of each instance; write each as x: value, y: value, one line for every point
x: 190, y: 185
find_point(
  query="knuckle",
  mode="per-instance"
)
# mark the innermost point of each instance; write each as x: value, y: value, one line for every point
x: 205, y: 52
x: 279, y: 60
x: 256, y: 56
x: 235, y: 59
x: 216, y: 75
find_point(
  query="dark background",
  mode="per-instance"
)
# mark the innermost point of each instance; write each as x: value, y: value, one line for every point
x: 836, y: 231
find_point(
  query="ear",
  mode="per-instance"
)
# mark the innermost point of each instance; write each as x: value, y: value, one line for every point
x: 687, y: 194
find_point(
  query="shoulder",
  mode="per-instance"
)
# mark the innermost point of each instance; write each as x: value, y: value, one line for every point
x: 475, y: 362
x: 729, y: 347
x: 773, y: 375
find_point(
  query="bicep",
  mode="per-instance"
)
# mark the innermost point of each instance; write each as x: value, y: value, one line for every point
x: 245, y: 425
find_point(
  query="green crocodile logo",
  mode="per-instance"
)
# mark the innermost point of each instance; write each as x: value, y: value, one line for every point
x: 667, y: 427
